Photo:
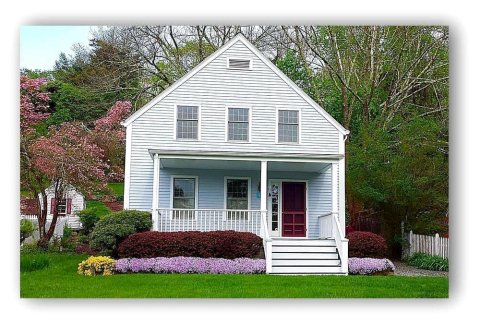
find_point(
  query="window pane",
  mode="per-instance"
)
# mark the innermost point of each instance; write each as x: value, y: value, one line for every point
x: 238, y: 131
x: 187, y: 129
x: 187, y: 122
x: 288, y: 117
x: 187, y: 112
x: 62, y: 207
x: 184, y: 203
x: 287, y: 133
x: 238, y: 114
x: 237, y: 194
x: 184, y: 193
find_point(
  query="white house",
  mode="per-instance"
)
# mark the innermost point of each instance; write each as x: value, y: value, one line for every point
x: 236, y: 145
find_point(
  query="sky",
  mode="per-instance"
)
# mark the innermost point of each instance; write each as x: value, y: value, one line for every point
x: 40, y: 46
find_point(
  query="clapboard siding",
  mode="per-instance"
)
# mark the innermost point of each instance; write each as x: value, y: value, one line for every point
x: 78, y: 200
x: 211, y: 193
x: 214, y: 88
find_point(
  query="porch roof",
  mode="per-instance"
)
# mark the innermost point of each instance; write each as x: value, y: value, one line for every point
x: 246, y: 156
x: 196, y: 162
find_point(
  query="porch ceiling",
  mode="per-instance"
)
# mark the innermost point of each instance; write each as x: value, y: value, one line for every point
x: 191, y: 163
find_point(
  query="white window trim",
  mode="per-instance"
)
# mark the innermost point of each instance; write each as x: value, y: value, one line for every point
x: 199, y: 126
x: 249, y: 123
x: 225, y: 190
x: 182, y: 176
x: 277, y: 112
x: 239, y: 58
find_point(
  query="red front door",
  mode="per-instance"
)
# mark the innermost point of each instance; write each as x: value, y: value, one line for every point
x: 294, y: 209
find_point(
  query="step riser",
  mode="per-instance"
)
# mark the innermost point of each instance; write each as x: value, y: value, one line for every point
x: 305, y: 262
x: 304, y: 242
x: 304, y: 249
x: 306, y: 269
x: 304, y: 256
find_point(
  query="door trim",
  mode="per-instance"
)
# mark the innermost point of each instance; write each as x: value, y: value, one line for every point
x: 307, y: 212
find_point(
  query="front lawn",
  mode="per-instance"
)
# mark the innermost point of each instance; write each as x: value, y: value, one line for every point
x: 61, y: 280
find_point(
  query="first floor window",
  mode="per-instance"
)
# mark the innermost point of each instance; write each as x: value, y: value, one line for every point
x: 288, y: 126
x: 62, y: 207
x: 237, y: 198
x: 184, y: 197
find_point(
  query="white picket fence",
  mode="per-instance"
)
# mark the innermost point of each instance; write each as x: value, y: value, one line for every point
x: 431, y: 245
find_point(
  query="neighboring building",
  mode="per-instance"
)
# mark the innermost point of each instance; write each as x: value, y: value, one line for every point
x: 235, y: 144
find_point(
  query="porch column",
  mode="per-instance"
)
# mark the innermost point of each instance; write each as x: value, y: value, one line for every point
x: 263, y: 186
x: 335, y: 191
x: 156, y: 184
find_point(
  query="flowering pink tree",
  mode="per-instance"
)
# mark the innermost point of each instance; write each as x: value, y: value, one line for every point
x: 65, y: 157
x: 109, y: 134
x: 33, y: 110
x: 70, y: 154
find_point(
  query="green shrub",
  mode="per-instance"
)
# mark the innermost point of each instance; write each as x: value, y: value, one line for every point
x: 67, y: 232
x: 33, y: 262
x: 26, y: 229
x: 30, y: 248
x: 112, y: 229
x: 428, y: 262
x: 89, y: 217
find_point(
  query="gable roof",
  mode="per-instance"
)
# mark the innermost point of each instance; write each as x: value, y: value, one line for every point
x: 213, y: 56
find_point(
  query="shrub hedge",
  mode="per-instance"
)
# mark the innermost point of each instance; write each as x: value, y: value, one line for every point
x: 113, y: 228
x: 366, y: 245
x: 216, y: 244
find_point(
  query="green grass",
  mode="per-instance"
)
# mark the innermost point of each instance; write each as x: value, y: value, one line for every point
x: 101, y: 208
x: 117, y: 188
x: 61, y: 280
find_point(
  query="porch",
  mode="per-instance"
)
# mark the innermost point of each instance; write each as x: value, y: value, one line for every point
x: 280, y: 199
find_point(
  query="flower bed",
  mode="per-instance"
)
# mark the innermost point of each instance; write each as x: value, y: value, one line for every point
x: 368, y: 266
x: 191, y: 265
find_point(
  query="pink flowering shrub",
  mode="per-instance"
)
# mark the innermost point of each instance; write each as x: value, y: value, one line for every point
x: 368, y: 266
x: 191, y: 265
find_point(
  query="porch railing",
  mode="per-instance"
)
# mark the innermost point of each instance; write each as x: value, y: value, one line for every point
x: 204, y: 220
x: 330, y: 227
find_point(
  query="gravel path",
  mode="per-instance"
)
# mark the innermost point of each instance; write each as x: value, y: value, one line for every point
x: 402, y: 269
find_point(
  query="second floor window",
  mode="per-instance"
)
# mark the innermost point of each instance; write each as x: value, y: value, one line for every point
x: 187, y: 122
x: 238, y: 120
x: 288, y: 126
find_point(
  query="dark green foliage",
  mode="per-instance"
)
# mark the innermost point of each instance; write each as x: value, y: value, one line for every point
x: 26, y: 229
x: 428, y: 262
x: 33, y: 262
x: 89, y: 217
x: 112, y: 229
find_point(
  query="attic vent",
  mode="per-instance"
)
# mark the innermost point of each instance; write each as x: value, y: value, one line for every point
x: 242, y: 64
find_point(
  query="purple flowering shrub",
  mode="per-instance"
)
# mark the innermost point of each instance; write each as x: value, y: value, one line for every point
x: 191, y: 265
x: 367, y: 266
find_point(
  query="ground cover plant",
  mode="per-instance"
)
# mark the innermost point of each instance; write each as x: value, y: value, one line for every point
x: 191, y: 265
x: 368, y: 266
x: 428, y: 262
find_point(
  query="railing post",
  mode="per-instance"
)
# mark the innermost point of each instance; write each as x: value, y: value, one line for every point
x: 156, y: 187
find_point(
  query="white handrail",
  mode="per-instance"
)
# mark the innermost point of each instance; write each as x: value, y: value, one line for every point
x: 341, y: 242
x: 267, y: 242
